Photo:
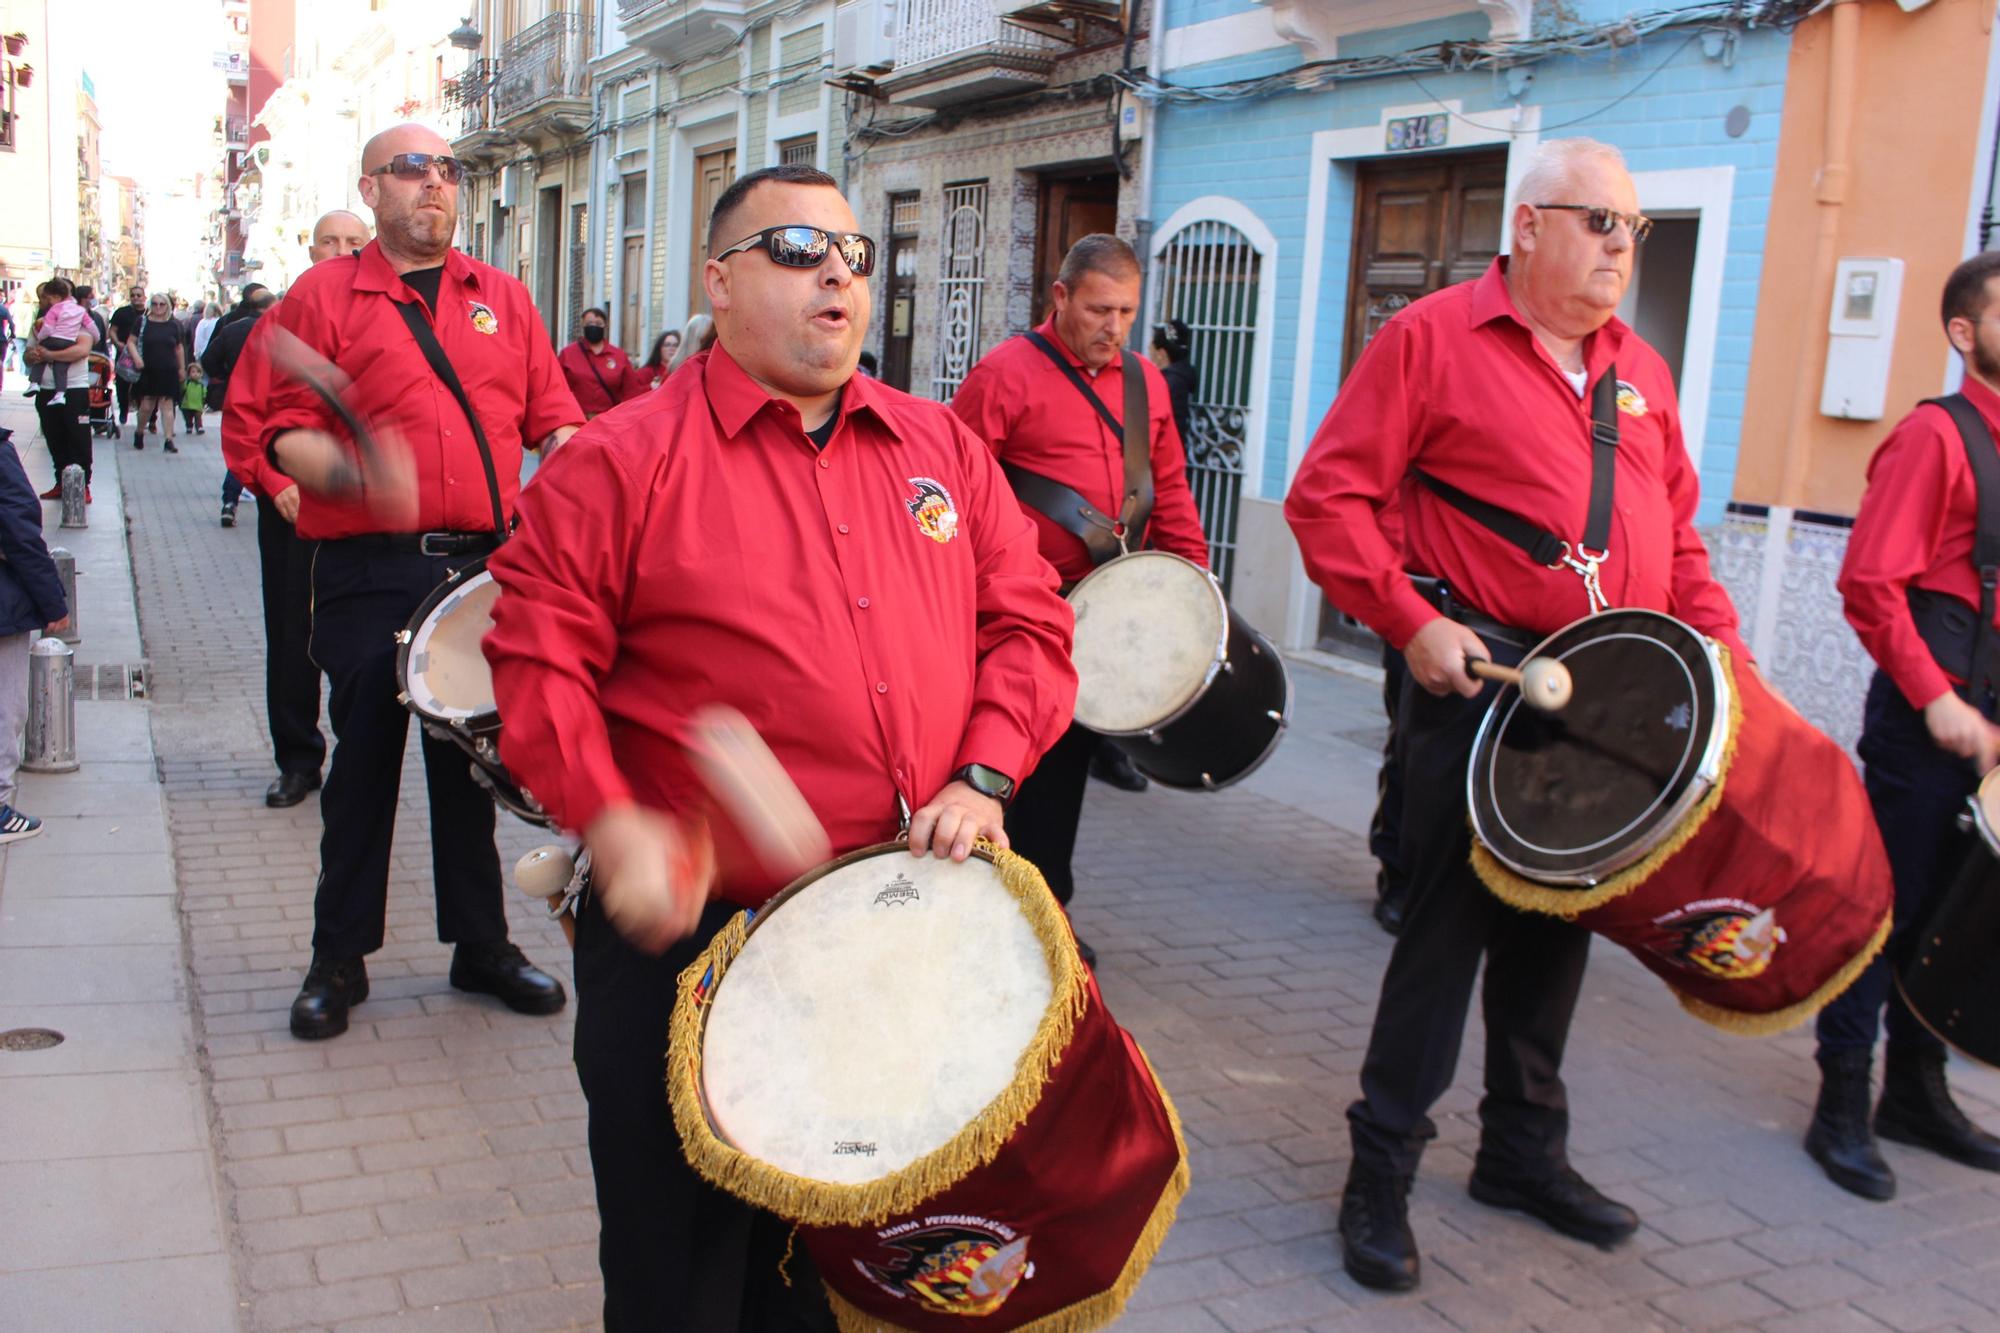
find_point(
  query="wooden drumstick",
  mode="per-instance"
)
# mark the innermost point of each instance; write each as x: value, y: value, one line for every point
x: 754, y: 793
x: 546, y: 873
x: 1544, y: 683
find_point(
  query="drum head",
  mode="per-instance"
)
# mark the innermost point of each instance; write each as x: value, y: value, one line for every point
x: 1575, y: 796
x: 446, y: 676
x: 1151, y: 632
x: 1986, y: 811
x: 872, y: 1015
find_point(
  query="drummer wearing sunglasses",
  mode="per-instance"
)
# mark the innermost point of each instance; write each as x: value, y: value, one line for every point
x: 838, y: 561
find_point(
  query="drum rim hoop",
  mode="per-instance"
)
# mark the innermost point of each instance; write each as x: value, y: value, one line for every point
x: 1620, y: 871
x: 1980, y: 823
x: 811, y: 1202
x: 475, y: 723
x: 1216, y: 662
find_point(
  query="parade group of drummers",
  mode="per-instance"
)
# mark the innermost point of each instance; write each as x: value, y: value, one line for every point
x: 932, y: 614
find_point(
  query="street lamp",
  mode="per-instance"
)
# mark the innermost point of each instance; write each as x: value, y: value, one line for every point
x: 465, y: 37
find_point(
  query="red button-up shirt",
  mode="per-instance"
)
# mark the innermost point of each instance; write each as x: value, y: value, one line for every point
x: 620, y: 378
x: 1915, y: 529
x: 1457, y: 385
x: 876, y: 609
x: 1017, y: 401
x: 345, y: 310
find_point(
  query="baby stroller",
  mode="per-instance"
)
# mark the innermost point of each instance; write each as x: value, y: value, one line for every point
x: 101, y: 423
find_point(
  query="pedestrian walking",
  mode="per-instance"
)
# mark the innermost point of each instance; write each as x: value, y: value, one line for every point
x: 211, y: 315
x: 31, y: 597
x: 9, y: 353
x: 61, y: 323
x: 124, y: 323
x: 194, y: 397
x: 218, y: 363
x: 64, y: 414
x: 448, y: 358
x: 159, y: 352
x: 600, y: 375
x: 654, y: 367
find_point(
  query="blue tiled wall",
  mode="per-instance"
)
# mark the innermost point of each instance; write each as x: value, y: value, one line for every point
x: 1259, y: 152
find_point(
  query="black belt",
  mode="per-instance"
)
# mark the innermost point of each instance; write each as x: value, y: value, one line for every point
x: 1438, y: 594
x: 421, y: 543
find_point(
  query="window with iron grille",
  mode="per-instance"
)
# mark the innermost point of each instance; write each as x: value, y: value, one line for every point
x: 906, y: 214
x: 961, y: 285
x: 800, y: 152
x: 479, y: 241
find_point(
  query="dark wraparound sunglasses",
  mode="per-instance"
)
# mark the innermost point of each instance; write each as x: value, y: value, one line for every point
x: 799, y: 246
x: 415, y: 166
x: 1601, y: 221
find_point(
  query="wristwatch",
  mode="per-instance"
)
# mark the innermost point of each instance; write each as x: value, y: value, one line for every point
x: 986, y: 781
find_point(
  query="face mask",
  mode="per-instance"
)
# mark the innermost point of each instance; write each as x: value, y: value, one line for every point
x: 593, y: 333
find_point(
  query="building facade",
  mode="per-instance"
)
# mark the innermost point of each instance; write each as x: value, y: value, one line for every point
x: 42, y: 225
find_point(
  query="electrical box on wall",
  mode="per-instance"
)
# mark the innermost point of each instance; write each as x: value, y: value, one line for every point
x: 1861, y: 336
x: 1131, y: 117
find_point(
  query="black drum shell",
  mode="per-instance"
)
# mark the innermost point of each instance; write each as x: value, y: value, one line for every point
x: 1230, y: 728
x: 1950, y: 976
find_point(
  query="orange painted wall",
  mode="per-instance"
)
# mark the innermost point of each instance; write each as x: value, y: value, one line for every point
x: 1920, y: 80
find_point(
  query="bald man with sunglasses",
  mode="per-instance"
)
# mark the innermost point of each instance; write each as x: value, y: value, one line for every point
x: 1487, y: 396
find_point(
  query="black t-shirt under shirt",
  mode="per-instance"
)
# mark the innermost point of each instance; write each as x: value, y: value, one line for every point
x: 424, y: 282
x: 824, y: 433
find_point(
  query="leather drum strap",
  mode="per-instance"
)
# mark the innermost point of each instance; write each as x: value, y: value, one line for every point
x: 1984, y: 680
x: 420, y: 329
x: 1136, y: 505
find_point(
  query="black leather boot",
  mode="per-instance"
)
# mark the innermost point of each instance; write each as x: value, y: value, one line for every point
x: 1839, y: 1139
x: 1110, y: 764
x: 1563, y: 1199
x: 1917, y: 1109
x: 497, y: 967
x: 332, y: 986
x: 1376, y: 1243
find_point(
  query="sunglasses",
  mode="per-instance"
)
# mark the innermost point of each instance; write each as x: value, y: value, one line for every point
x: 1603, y: 221
x: 415, y: 166
x: 798, y: 246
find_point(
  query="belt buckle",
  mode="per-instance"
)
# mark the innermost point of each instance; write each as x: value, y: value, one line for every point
x: 447, y: 544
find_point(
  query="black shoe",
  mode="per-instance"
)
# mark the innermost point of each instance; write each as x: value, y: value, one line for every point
x: 1564, y: 1200
x: 1389, y: 913
x: 1917, y: 1109
x: 333, y: 985
x: 1376, y: 1244
x: 1109, y: 764
x: 138, y: 438
x: 172, y: 448
x: 229, y: 516
x: 289, y: 788
x: 499, y: 968
x: 1839, y: 1139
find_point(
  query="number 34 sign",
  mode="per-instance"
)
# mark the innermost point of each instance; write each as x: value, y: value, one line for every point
x: 1413, y: 132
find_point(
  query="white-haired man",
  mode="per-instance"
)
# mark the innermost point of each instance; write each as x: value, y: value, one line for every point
x: 1485, y: 392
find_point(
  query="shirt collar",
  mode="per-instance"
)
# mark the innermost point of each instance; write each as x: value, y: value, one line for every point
x: 1491, y: 300
x: 736, y: 398
x: 376, y: 275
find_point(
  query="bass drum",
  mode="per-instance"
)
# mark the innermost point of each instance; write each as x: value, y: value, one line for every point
x: 1174, y: 677
x: 1951, y: 980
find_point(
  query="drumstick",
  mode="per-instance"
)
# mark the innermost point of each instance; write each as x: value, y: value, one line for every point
x: 297, y: 360
x: 753, y: 790
x: 1544, y: 683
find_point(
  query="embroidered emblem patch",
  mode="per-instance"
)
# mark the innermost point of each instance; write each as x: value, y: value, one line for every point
x: 483, y: 318
x: 1724, y: 937
x: 1630, y: 401
x: 953, y: 1264
x: 931, y: 506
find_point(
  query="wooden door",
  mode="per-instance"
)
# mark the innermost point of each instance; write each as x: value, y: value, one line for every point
x: 631, y: 286
x: 1071, y: 208
x: 714, y: 172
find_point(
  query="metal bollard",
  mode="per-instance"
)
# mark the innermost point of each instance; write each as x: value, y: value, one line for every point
x: 51, y: 744
x: 68, y: 629
x: 74, y: 498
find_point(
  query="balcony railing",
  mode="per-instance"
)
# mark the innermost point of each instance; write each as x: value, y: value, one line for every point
x: 941, y: 29
x: 470, y: 96
x: 546, y: 62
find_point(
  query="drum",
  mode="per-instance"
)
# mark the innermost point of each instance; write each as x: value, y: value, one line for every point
x: 907, y: 1058
x: 1681, y: 809
x: 447, y: 684
x: 1951, y: 980
x: 1178, y: 681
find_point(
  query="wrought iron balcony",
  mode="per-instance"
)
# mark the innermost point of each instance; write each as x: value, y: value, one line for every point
x: 468, y: 99
x: 677, y: 29
x: 543, y: 88
x: 954, y: 51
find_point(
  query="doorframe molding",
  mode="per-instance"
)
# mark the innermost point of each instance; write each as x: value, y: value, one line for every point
x: 1706, y: 192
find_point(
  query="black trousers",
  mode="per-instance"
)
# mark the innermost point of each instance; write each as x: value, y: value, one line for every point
x: 123, y: 388
x: 291, y: 681
x: 361, y: 598
x: 1385, y: 830
x: 1534, y: 969
x: 1048, y: 805
x: 1917, y: 791
x: 66, y: 427
x: 677, y: 1253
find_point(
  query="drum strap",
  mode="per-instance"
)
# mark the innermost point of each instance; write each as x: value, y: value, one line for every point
x: 1136, y: 507
x: 1544, y: 547
x: 1984, y: 677
x: 420, y: 329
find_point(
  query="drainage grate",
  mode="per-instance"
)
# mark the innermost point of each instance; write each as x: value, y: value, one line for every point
x: 111, y: 680
x: 29, y: 1039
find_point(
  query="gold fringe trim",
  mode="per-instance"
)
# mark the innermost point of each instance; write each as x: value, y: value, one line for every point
x: 829, y: 1204
x: 1529, y: 896
x: 1783, y: 1020
x: 1092, y: 1312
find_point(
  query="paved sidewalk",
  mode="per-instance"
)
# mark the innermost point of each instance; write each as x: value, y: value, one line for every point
x: 428, y: 1170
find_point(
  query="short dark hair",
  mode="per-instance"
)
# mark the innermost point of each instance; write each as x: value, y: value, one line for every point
x: 1172, y: 338
x: 733, y: 197
x: 1099, y: 252
x: 85, y: 292
x: 1965, y: 293
x: 57, y: 287
x: 594, y: 310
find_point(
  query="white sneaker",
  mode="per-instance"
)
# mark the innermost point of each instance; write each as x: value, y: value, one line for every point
x: 15, y: 826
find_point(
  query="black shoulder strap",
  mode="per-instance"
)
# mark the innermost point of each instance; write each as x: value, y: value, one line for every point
x: 591, y: 361
x: 1985, y: 463
x: 1136, y: 505
x: 420, y: 329
x: 1097, y: 530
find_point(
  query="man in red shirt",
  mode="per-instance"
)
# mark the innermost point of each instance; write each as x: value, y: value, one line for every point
x: 438, y: 496
x: 599, y: 374
x: 841, y: 562
x: 1485, y: 387
x: 1912, y: 594
x: 1044, y: 428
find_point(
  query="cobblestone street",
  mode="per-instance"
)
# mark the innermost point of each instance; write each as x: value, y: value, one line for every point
x: 427, y: 1170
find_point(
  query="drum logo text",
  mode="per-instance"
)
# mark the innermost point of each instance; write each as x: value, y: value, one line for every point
x: 898, y: 891
x: 1630, y: 401
x: 931, y: 506
x: 852, y: 1148
x: 1724, y: 937
x: 954, y: 1264
x: 483, y: 318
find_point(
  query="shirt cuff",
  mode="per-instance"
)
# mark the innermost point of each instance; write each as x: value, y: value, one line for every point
x: 1406, y: 613
x: 1922, y: 682
x: 997, y: 744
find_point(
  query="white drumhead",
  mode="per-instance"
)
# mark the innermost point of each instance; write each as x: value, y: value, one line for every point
x: 1151, y: 628
x: 448, y: 677
x: 872, y: 1015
